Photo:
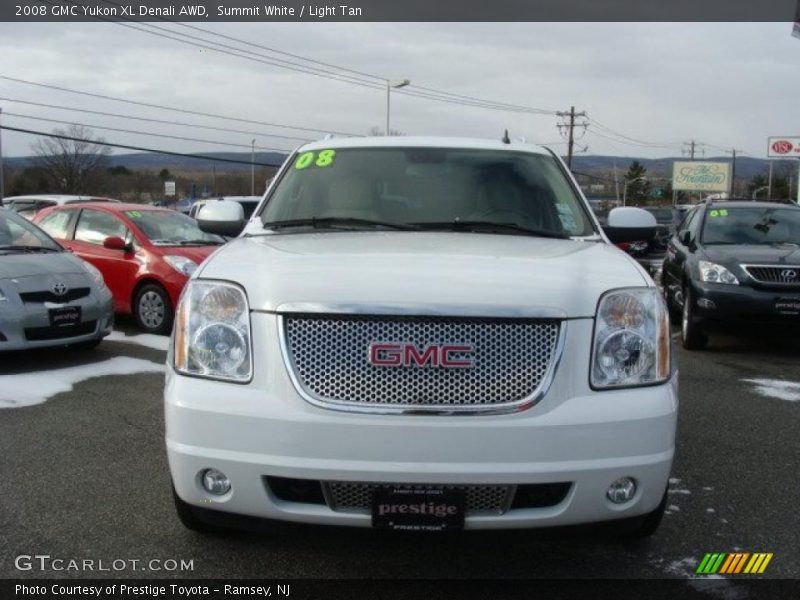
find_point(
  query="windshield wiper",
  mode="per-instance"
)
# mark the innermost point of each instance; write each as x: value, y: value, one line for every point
x: 325, y: 222
x: 13, y: 248
x: 200, y: 242
x: 490, y: 227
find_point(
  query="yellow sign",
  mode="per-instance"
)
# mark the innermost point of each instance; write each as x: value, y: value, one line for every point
x: 698, y: 176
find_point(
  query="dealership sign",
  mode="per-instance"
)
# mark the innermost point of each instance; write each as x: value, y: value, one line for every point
x: 699, y: 176
x: 783, y: 147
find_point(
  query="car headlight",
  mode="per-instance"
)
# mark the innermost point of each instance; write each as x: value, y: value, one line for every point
x: 212, y: 332
x: 183, y: 265
x: 714, y: 273
x: 631, y: 339
x: 94, y: 272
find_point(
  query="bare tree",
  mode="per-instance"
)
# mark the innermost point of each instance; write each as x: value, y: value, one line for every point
x: 73, y: 164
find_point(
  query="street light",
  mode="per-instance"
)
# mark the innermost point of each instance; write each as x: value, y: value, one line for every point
x: 625, y: 188
x: 389, y: 85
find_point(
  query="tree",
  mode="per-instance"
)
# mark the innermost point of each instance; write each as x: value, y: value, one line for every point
x: 638, y: 188
x: 71, y: 165
x: 757, y: 184
x: 164, y: 174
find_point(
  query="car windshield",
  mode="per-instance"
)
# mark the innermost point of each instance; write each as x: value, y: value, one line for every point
x: 171, y: 228
x: 20, y: 235
x: 429, y: 188
x: 757, y: 225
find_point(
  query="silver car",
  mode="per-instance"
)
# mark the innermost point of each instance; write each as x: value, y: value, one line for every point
x: 48, y: 297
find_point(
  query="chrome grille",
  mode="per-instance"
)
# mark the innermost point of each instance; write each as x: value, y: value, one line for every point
x: 781, y: 275
x: 357, y: 497
x: 328, y: 355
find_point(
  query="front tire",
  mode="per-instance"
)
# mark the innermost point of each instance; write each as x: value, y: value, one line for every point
x: 152, y: 309
x: 693, y: 334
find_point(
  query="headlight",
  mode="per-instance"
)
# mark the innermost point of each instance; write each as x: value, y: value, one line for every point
x: 212, y: 332
x: 714, y: 273
x: 94, y: 272
x: 181, y: 264
x: 631, y: 339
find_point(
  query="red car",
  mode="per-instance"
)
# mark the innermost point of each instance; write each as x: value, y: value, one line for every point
x: 145, y: 253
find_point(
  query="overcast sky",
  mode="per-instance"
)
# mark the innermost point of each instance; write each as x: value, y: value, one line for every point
x: 727, y: 85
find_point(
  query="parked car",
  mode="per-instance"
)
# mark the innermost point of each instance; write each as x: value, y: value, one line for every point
x: 734, y: 263
x: 422, y: 334
x: 48, y: 297
x: 145, y: 253
x: 249, y: 204
x: 29, y: 206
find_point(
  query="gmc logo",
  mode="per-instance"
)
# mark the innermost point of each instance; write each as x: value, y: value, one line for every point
x: 402, y: 354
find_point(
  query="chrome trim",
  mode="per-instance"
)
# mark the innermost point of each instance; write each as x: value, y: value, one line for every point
x: 423, y: 410
x: 385, y: 309
x: 746, y: 268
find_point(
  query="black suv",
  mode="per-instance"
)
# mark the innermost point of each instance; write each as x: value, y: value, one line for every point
x: 734, y: 262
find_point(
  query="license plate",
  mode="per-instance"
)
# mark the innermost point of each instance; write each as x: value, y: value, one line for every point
x: 66, y: 316
x: 787, y: 306
x: 409, y: 509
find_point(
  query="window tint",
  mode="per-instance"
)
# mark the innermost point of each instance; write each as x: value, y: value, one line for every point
x: 57, y: 224
x: 95, y: 226
x: 751, y: 225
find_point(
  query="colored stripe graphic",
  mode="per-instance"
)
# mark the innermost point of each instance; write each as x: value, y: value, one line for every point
x: 733, y: 563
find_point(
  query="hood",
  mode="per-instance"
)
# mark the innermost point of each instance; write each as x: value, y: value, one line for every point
x: 52, y: 263
x: 196, y: 253
x: 481, y: 274
x: 760, y: 254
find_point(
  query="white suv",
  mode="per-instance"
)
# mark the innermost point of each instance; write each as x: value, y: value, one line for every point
x: 425, y: 334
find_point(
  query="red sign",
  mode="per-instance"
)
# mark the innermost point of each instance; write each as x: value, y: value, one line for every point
x: 782, y: 147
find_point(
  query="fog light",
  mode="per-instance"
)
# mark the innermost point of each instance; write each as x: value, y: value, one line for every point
x: 216, y: 482
x: 621, y: 490
x: 706, y: 303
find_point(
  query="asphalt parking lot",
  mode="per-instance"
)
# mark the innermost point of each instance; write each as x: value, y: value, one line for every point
x: 84, y: 475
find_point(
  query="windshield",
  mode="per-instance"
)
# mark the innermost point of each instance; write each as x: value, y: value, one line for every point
x: 171, y: 228
x: 18, y: 234
x: 430, y: 186
x: 751, y: 226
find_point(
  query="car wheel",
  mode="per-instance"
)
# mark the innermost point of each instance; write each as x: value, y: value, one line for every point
x: 152, y: 309
x: 692, y: 334
x: 188, y: 516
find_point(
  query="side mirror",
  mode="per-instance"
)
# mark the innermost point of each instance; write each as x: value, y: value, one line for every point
x: 685, y: 237
x: 223, y: 217
x: 115, y: 243
x: 629, y: 224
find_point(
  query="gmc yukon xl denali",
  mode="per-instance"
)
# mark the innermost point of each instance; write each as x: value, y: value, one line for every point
x: 421, y: 334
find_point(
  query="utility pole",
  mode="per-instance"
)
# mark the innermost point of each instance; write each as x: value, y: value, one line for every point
x: 691, y: 148
x: 769, y: 183
x: 2, y: 189
x: 253, y: 168
x: 570, y: 126
x: 733, y: 152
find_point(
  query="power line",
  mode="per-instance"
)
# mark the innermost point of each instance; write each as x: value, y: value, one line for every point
x: 146, y: 133
x: 172, y: 108
x: 152, y: 120
x: 426, y: 93
x: 138, y: 148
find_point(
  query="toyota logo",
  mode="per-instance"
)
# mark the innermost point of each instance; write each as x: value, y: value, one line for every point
x: 59, y: 288
x: 788, y: 274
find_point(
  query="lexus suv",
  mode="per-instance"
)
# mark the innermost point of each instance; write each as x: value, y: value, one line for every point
x: 421, y: 334
x: 734, y: 263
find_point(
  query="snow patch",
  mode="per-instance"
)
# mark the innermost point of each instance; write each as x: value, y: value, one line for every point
x: 674, y: 508
x: 27, y: 389
x: 710, y: 510
x: 776, y: 388
x: 149, y: 340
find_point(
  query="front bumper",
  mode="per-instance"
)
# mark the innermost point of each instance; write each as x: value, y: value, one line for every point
x: 265, y: 429
x: 24, y: 325
x: 717, y: 302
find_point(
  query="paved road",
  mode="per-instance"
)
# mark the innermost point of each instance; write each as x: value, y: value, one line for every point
x: 84, y: 475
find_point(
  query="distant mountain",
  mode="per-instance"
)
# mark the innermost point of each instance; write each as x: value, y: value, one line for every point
x: 157, y: 162
x: 746, y: 167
